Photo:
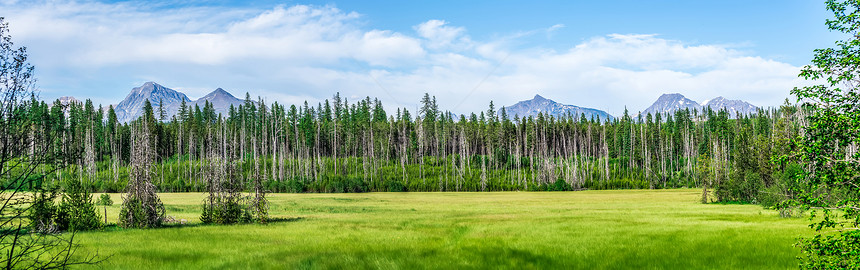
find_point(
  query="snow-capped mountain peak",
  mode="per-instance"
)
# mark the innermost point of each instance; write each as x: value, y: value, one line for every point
x: 670, y: 103
x: 732, y: 106
x: 539, y: 104
x: 131, y: 107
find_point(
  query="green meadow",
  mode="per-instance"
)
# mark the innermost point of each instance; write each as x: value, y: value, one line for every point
x: 513, y: 230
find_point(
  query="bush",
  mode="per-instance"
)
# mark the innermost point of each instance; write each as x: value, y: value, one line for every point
x: 77, y: 212
x: 396, y: 186
x: 246, y: 217
x: 134, y: 214
x: 222, y: 211
x: 560, y: 185
x: 291, y: 186
x: 43, y: 211
x: 541, y: 187
x: 782, y: 192
x: 342, y: 184
x: 295, y: 186
x: 742, y: 187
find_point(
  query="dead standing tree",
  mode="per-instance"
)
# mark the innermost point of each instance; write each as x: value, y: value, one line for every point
x: 223, y: 205
x: 213, y: 178
x: 258, y: 205
x: 141, y: 207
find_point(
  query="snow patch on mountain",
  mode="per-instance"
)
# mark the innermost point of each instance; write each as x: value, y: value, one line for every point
x: 539, y: 104
x: 670, y: 103
x: 131, y: 107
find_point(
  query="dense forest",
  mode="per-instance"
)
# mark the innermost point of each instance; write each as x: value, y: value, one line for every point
x: 795, y: 158
x: 338, y: 146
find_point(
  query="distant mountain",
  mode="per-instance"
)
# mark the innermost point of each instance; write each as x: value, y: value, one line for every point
x: 540, y: 104
x: 65, y: 102
x: 131, y: 107
x: 732, y: 106
x: 220, y: 100
x: 454, y: 116
x: 670, y: 103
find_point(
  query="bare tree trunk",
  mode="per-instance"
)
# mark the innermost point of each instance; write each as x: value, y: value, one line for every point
x: 141, y: 207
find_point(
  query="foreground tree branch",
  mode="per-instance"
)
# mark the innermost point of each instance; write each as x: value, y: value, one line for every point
x: 25, y: 160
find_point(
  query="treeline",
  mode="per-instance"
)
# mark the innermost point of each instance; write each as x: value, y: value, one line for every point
x: 343, y: 146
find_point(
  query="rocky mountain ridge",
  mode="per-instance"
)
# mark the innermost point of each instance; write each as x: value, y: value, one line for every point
x: 539, y: 104
x: 670, y: 103
x: 131, y: 107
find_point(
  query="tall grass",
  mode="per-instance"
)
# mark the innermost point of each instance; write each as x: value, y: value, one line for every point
x: 514, y: 230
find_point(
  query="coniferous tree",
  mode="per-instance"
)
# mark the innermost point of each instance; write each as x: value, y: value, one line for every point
x: 77, y: 211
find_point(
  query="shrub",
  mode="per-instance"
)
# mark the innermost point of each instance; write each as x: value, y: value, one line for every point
x: 560, y: 185
x: 222, y: 211
x: 134, y: 214
x: 295, y: 186
x: 77, y: 212
x: 345, y: 184
x: 396, y: 186
x: 541, y: 187
x: 43, y: 211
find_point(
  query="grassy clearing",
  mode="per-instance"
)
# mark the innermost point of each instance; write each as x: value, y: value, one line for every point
x: 590, y: 229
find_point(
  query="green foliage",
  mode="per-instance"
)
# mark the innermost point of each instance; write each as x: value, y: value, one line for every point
x: 782, y: 194
x: 740, y: 186
x: 357, y: 147
x: 560, y: 185
x: 396, y: 186
x: 43, y: 211
x: 76, y: 211
x: 828, y: 151
x: 257, y: 210
x: 294, y: 185
x: 340, y: 184
x: 224, y: 211
x: 135, y: 214
x: 831, y: 251
x: 105, y: 200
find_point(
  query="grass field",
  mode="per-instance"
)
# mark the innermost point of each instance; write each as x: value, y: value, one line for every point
x: 521, y: 230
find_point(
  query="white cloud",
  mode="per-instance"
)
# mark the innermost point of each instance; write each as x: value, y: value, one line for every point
x: 101, y: 34
x: 440, y: 35
x: 292, y: 53
x: 552, y: 29
x: 385, y: 48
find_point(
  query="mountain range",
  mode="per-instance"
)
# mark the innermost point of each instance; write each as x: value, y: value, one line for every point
x: 131, y: 107
x: 539, y: 104
x: 732, y: 106
x: 670, y: 103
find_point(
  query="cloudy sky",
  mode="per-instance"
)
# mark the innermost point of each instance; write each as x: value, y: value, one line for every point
x: 600, y: 54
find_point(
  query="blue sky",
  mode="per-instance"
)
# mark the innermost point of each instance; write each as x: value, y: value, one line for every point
x: 601, y: 54
x: 772, y: 28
